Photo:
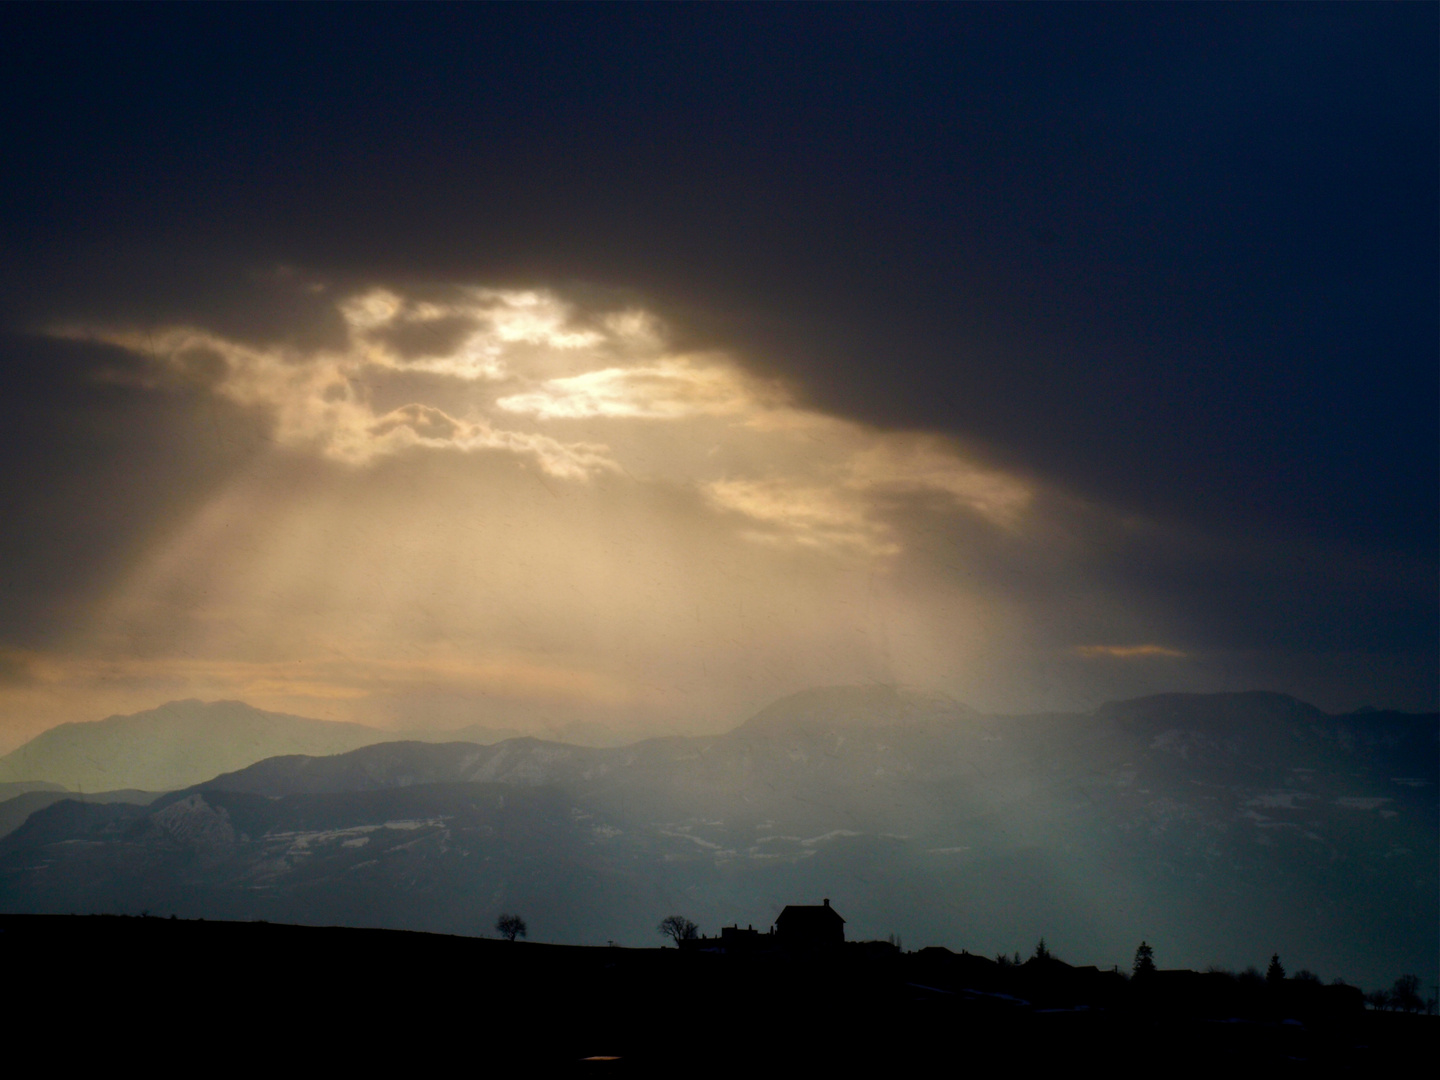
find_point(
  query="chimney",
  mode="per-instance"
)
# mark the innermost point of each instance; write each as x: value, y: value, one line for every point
x: 827, y: 901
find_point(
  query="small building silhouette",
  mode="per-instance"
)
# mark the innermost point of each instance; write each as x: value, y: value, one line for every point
x: 736, y: 940
x: 810, y: 926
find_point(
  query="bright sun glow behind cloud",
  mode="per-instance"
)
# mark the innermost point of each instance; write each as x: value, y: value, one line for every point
x: 507, y: 507
x: 518, y: 367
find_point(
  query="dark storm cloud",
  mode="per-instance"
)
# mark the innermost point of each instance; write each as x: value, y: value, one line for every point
x: 1178, y: 261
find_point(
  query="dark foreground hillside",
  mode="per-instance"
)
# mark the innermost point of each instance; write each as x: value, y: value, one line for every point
x: 97, y: 990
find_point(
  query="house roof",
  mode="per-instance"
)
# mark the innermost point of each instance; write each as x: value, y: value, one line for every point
x: 803, y: 914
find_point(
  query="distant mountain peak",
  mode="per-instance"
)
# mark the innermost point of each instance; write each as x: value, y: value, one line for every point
x: 876, y: 704
x: 174, y: 745
x: 1244, y: 705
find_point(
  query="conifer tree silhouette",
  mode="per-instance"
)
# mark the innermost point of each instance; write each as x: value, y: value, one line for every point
x: 1275, y: 973
x: 1144, y: 960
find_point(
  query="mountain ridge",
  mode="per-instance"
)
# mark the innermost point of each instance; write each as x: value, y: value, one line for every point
x: 1305, y: 833
x: 173, y: 745
x: 187, y: 742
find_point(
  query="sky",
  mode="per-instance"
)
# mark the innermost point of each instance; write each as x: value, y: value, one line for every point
x: 635, y: 365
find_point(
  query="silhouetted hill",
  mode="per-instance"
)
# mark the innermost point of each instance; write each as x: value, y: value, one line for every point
x: 363, y: 1000
x: 21, y: 787
x: 186, y: 742
x: 1215, y: 711
x: 828, y: 707
x: 1220, y: 828
x: 174, y: 746
x: 15, y: 811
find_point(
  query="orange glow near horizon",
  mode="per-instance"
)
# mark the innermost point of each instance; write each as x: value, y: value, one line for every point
x: 497, y: 501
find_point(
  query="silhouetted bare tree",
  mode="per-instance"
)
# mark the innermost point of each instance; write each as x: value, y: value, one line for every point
x: 1405, y: 994
x: 678, y: 928
x: 510, y: 927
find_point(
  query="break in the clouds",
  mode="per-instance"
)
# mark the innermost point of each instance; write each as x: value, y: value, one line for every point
x: 325, y: 401
x: 505, y: 505
x: 1128, y: 652
x: 576, y: 394
x: 517, y: 507
x: 647, y: 369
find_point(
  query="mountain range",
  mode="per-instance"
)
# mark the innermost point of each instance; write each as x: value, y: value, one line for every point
x: 182, y: 743
x: 187, y: 742
x: 16, y: 810
x: 175, y: 745
x: 1220, y: 828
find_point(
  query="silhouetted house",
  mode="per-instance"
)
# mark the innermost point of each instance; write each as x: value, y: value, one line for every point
x: 807, y: 926
x: 736, y: 941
